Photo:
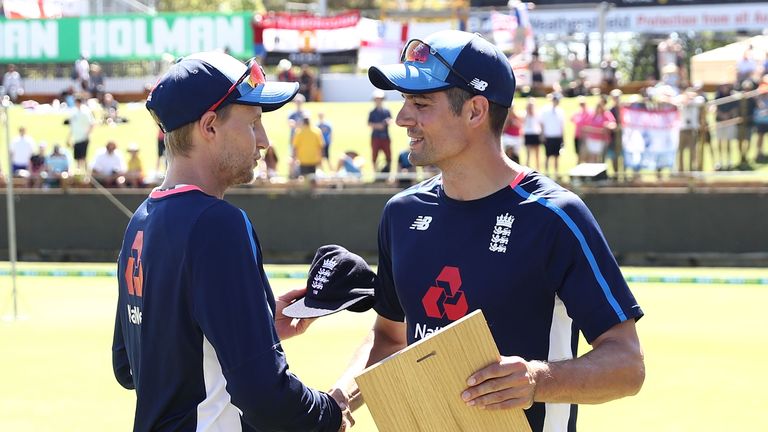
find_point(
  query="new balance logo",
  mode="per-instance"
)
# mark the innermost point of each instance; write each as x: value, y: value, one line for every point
x: 478, y: 84
x: 421, y: 223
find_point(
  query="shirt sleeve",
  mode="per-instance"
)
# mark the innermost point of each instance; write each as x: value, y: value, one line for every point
x: 233, y: 305
x: 585, y: 273
x: 387, y: 303
x: 120, y: 364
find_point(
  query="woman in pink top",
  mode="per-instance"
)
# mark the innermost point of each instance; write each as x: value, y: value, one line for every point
x: 597, y: 133
x: 578, y: 120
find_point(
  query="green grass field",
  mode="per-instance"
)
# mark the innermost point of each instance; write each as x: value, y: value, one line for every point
x: 349, y: 120
x: 705, y: 348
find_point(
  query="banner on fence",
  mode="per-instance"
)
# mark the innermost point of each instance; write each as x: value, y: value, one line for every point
x: 123, y: 37
x: 650, y: 135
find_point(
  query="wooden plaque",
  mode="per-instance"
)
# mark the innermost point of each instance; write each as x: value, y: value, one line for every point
x: 419, y: 388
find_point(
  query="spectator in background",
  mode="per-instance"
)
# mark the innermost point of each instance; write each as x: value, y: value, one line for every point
x: 110, y: 106
x: 726, y: 116
x: 134, y: 175
x: 690, y: 107
x: 747, y: 107
x: 38, y: 169
x: 295, y: 120
x: 327, y: 130
x: 378, y: 120
x: 58, y: 168
x: 80, y: 127
x: 746, y: 67
x: 579, y: 119
x: 406, y: 172
x: 307, y: 83
x: 21, y: 151
x: 68, y: 96
x: 552, y: 127
x: 532, y: 134
x: 285, y: 71
x: 615, y: 150
x: 270, y: 163
x: 537, y: 74
x: 109, y: 167
x: 12, y: 84
x: 96, y: 83
x: 512, y: 135
x: 350, y: 165
x: 308, y: 148
x: 597, y: 133
x: 608, y: 68
x: 81, y: 73
x: 760, y: 118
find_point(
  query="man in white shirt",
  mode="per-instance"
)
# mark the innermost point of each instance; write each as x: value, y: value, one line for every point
x: 109, y: 167
x: 21, y: 150
x: 12, y: 83
x: 80, y: 127
x: 552, y: 126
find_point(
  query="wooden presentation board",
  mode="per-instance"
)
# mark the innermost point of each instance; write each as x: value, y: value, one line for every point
x: 419, y: 388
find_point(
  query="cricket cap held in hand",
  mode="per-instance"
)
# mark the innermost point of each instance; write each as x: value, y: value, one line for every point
x: 206, y: 81
x: 338, y: 279
x: 449, y: 58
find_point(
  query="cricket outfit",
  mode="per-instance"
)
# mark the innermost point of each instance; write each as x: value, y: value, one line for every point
x: 530, y: 255
x: 194, y: 332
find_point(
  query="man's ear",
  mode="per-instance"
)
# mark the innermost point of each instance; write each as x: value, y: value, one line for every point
x: 206, y: 125
x: 477, y: 110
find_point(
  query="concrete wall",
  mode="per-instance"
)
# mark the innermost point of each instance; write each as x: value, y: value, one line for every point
x: 714, y: 227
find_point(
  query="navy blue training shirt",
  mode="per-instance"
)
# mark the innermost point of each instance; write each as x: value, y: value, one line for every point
x: 530, y: 255
x: 194, y: 332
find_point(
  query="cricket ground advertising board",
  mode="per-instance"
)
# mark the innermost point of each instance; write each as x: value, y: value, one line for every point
x: 123, y: 37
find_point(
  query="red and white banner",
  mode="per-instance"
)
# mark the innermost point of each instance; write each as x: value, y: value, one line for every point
x: 283, y: 20
x: 650, y: 136
x: 290, y: 33
x: 41, y: 9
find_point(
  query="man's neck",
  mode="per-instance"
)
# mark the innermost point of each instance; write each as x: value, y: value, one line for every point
x: 479, y: 174
x: 181, y: 170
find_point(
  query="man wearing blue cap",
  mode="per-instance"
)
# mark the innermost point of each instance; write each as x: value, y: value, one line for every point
x: 198, y: 330
x: 490, y: 234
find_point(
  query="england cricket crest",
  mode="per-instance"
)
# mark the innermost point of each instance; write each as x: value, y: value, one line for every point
x: 501, y: 232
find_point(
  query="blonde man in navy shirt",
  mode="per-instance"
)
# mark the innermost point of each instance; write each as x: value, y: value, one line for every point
x: 198, y: 330
x: 490, y: 234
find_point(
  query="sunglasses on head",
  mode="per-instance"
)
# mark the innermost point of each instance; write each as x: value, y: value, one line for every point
x: 417, y: 51
x: 255, y: 75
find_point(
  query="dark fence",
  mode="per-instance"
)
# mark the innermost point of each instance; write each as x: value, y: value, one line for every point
x: 673, y: 226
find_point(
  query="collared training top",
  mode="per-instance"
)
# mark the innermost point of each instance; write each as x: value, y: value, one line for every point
x: 530, y: 255
x: 194, y: 332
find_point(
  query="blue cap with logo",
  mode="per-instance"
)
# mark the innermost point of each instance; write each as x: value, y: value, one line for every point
x: 450, y: 58
x: 197, y: 83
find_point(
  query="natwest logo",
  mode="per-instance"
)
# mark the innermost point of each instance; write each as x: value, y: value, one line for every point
x: 445, y: 299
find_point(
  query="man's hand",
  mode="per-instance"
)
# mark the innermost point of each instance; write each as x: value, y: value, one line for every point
x: 511, y: 383
x: 341, y: 398
x: 286, y: 326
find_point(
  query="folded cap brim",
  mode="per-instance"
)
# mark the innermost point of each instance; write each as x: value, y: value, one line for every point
x: 301, y: 308
x: 269, y: 96
x: 405, y: 78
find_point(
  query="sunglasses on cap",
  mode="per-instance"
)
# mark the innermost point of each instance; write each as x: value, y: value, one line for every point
x: 255, y: 75
x: 417, y: 51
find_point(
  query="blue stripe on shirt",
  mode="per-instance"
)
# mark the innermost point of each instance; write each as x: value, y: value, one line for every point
x: 584, y: 247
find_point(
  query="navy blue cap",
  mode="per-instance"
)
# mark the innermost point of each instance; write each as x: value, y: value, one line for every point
x: 482, y: 64
x: 196, y: 82
x: 338, y: 279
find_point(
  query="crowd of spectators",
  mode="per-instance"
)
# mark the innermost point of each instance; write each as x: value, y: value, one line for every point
x: 728, y: 126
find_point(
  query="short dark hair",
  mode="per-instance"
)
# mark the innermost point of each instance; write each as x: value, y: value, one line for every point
x: 496, y: 113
